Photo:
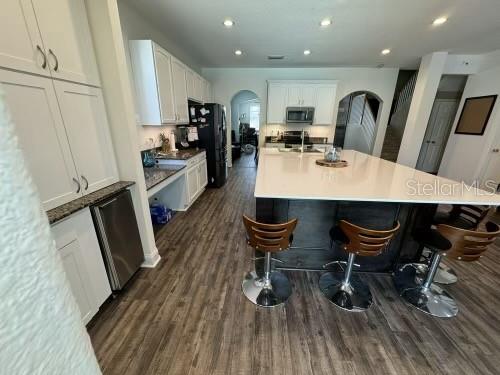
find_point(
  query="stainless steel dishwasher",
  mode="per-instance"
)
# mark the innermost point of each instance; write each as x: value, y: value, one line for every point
x: 119, y: 238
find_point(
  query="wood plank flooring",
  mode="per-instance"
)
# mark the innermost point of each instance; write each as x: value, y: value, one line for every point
x: 188, y: 315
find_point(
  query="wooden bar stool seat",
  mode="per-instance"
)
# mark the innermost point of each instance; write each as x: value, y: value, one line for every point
x: 348, y: 291
x: 445, y: 240
x: 464, y: 216
x: 273, y: 287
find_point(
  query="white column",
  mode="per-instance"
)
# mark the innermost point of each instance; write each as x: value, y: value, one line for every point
x: 429, y: 75
x: 108, y: 41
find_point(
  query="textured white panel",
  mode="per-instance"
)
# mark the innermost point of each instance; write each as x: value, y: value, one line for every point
x: 40, y: 327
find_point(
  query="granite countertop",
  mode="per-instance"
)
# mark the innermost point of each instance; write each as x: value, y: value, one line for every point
x: 158, y: 174
x: 181, y: 154
x: 67, y: 209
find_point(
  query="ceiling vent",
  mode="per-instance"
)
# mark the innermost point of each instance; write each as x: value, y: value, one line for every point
x: 275, y: 57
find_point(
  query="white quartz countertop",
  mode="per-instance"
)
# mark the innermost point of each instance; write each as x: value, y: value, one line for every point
x: 291, y: 175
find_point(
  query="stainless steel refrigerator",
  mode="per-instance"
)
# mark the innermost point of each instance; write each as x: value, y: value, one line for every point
x: 119, y: 238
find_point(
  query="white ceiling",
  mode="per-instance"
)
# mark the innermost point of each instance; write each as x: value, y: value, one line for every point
x: 360, y: 30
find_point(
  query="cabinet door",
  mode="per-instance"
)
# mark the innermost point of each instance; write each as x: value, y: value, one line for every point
x: 86, y: 124
x: 203, y: 174
x: 165, y: 86
x: 32, y: 104
x: 277, y: 97
x: 294, y: 96
x: 193, y: 184
x: 21, y: 46
x: 207, y: 95
x: 198, y: 88
x: 190, y: 84
x: 74, y: 267
x: 308, y: 95
x: 325, y: 103
x: 66, y: 35
x: 180, y: 93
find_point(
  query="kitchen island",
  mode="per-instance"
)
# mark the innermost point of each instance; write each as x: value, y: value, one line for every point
x: 370, y: 192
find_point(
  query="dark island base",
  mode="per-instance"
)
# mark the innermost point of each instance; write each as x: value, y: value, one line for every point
x: 312, y: 247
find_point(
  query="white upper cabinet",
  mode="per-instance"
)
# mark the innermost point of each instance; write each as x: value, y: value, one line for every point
x: 86, y: 123
x: 165, y: 87
x: 325, y: 104
x: 65, y: 32
x: 198, y: 87
x: 277, y: 99
x: 317, y: 94
x: 190, y: 83
x: 32, y: 103
x: 21, y: 45
x: 180, y: 91
x: 207, y: 92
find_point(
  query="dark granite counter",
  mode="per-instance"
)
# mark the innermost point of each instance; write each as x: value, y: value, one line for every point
x: 158, y: 174
x: 181, y: 154
x: 98, y: 196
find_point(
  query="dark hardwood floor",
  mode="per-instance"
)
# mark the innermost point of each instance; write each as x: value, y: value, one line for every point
x: 188, y: 315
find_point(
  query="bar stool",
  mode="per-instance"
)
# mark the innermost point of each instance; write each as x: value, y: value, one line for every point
x: 456, y: 243
x: 347, y: 291
x: 464, y: 216
x: 273, y: 288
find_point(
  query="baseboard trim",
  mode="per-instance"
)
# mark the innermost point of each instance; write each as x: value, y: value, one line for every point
x: 151, y: 261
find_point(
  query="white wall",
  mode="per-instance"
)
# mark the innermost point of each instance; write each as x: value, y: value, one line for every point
x: 382, y: 82
x: 466, y: 155
x: 135, y: 26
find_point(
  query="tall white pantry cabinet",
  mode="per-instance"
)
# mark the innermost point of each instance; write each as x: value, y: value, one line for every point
x: 50, y: 83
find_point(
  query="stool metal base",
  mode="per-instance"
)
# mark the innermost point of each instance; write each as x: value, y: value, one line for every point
x: 271, y: 293
x: 432, y: 300
x: 445, y: 275
x: 354, y: 296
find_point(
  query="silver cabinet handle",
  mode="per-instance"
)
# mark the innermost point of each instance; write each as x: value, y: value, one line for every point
x: 495, y: 150
x: 86, y: 182
x: 77, y: 184
x: 56, y: 67
x: 44, y: 64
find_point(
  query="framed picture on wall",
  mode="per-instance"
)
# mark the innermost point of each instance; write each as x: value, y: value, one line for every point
x: 475, y: 115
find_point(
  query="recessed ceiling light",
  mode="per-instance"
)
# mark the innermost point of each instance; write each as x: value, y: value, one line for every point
x: 307, y: 52
x: 386, y: 51
x: 228, y: 23
x: 238, y: 52
x: 439, y: 21
x: 326, y: 22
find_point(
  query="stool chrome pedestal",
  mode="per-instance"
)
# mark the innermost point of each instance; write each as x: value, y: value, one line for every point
x: 272, y: 288
x: 348, y: 291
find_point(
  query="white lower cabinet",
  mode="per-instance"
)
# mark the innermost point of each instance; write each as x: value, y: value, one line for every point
x: 193, y: 183
x: 203, y: 173
x: 77, y: 244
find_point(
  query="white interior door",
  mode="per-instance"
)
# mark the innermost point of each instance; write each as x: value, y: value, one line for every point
x: 66, y: 35
x: 32, y: 104
x: 21, y: 47
x: 180, y: 91
x: 85, y: 120
x: 165, y: 86
x: 442, y: 116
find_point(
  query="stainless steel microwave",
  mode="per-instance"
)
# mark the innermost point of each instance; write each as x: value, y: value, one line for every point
x: 300, y: 115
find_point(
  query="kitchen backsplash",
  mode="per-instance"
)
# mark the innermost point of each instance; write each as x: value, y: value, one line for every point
x: 314, y: 131
x: 146, y: 133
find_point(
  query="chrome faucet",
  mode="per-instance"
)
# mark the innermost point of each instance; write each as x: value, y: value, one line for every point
x: 302, y: 147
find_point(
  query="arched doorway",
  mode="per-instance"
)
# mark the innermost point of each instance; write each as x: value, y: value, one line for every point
x: 357, y: 121
x: 245, y: 122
